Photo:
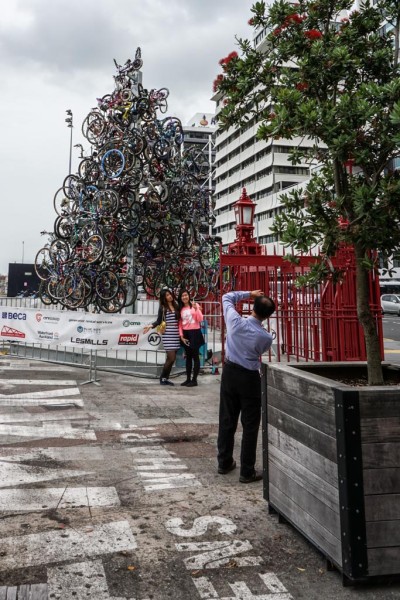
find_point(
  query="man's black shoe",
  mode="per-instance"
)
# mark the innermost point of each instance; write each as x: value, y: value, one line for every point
x: 223, y: 471
x: 257, y: 476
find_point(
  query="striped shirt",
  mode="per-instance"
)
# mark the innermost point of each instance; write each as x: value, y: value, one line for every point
x: 171, y: 339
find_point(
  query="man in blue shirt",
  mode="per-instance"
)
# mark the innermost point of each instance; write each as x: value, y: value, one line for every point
x: 246, y: 341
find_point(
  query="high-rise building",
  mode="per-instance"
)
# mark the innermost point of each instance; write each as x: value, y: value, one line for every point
x: 263, y: 168
x: 199, y: 136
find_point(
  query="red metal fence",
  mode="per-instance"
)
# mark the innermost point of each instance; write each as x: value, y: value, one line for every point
x: 317, y: 324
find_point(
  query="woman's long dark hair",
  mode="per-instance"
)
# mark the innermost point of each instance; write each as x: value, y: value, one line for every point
x: 180, y: 303
x: 164, y: 303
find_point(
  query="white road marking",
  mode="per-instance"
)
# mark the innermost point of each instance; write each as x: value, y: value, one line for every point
x: 51, y: 498
x: 141, y: 438
x: 12, y: 474
x: 22, y: 417
x: 218, y: 554
x: 200, y: 526
x: 159, y: 464
x: 79, y: 580
x: 54, y: 382
x: 48, y: 430
x: 69, y: 453
x: 65, y: 544
x: 150, y: 464
x: 276, y: 590
x: 42, y: 394
x: 138, y: 451
x: 167, y: 481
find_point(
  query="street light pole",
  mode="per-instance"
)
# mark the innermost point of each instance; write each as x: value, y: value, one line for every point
x: 70, y: 121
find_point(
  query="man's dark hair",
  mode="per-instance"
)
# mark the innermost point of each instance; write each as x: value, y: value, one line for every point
x: 263, y: 307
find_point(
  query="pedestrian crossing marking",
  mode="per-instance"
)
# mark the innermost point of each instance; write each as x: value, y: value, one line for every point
x: 66, y: 544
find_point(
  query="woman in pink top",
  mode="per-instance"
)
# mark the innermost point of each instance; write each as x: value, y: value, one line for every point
x: 191, y: 335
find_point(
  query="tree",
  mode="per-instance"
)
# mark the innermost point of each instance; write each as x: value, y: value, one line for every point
x: 335, y: 80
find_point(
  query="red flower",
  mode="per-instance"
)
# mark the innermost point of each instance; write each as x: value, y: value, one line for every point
x: 313, y: 34
x: 217, y: 82
x: 227, y: 59
x: 301, y: 86
x: 277, y: 31
x: 250, y: 21
x: 294, y: 18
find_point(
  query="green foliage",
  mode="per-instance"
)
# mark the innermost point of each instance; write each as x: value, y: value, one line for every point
x: 337, y: 82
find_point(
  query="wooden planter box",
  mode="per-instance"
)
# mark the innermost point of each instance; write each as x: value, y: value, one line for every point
x: 332, y: 464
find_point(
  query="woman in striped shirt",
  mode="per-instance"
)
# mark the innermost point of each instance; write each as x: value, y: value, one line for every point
x: 169, y: 312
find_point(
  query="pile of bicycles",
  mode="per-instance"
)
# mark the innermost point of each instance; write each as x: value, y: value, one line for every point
x: 137, y: 213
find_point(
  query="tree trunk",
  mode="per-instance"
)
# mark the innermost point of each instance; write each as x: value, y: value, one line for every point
x: 365, y: 317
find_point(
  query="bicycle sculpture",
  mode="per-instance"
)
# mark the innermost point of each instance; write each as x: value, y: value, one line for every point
x: 137, y: 212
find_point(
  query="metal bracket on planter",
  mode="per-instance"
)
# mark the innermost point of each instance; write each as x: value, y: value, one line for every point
x: 351, y: 485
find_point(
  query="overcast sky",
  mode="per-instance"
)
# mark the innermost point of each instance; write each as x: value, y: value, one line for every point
x: 58, y: 55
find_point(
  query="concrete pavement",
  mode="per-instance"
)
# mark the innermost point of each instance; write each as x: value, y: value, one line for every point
x: 110, y: 492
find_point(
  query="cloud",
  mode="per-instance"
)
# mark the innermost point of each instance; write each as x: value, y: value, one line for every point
x: 58, y: 54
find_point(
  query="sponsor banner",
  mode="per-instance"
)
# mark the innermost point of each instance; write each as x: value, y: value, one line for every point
x: 77, y: 330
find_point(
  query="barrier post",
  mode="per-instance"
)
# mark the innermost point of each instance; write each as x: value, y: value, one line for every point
x: 92, y: 363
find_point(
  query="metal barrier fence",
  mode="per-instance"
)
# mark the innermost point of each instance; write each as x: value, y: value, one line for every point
x: 143, y: 363
x: 311, y: 324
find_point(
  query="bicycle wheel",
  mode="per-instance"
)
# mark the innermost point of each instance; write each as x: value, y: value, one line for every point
x: 106, y: 285
x: 89, y: 170
x: 62, y: 204
x: 59, y: 251
x: 113, y: 163
x: 114, y: 305
x: 93, y: 126
x: 72, y: 187
x: 43, y: 264
x: 44, y: 295
x: 130, y: 288
x: 106, y: 202
x: 63, y: 228
x: 92, y: 250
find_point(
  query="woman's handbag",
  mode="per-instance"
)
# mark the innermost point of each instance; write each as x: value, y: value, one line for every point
x: 162, y: 326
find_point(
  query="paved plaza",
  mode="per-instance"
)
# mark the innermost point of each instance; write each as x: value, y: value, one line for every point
x: 110, y: 492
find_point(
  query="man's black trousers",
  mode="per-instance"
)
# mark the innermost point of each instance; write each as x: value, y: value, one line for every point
x: 240, y: 395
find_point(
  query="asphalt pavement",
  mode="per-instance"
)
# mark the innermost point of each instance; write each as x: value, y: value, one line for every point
x: 109, y: 491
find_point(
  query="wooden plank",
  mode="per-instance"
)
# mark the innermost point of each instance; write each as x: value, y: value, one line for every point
x: 381, y: 456
x: 382, y: 507
x: 383, y: 534
x: 307, y: 525
x: 303, y: 411
x: 312, y: 438
x: 325, y: 492
x: 311, y: 460
x: 322, y: 514
x: 318, y: 394
x: 24, y: 592
x: 384, y: 403
x: 380, y: 430
x: 381, y: 481
x: 384, y: 561
x: 39, y: 591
